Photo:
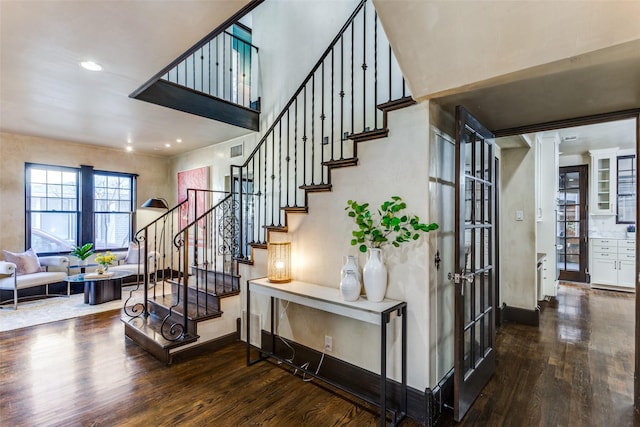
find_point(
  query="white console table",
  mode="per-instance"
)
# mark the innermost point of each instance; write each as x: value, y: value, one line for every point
x: 329, y: 299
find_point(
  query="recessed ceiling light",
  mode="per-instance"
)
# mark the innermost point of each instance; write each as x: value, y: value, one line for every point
x: 167, y: 145
x: 178, y: 140
x: 129, y: 148
x: 91, y: 66
x: 129, y: 140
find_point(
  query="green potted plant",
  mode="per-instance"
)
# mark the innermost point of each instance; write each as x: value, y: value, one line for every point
x: 83, y: 252
x: 387, y: 225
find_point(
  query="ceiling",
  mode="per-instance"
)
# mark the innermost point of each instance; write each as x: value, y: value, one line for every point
x: 44, y: 91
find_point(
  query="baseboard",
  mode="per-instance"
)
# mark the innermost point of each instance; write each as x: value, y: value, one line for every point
x: 521, y: 315
x: 361, y: 380
x: 439, y: 399
x: 206, y: 347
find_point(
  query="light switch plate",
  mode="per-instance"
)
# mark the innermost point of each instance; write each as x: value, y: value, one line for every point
x: 519, y: 216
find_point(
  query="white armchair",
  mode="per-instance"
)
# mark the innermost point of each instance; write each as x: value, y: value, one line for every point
x: 131, y: 261
x: 12, y: 279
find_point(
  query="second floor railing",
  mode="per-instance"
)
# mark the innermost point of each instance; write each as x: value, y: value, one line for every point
x: 225, y: 67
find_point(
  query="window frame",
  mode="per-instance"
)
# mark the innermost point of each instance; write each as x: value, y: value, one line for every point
x: 634, y: 172
x: 85, y: 204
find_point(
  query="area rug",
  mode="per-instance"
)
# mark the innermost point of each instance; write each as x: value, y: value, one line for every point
x: 30, y: 313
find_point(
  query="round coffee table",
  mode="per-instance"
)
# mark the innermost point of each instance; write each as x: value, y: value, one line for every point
x: 100, y: 288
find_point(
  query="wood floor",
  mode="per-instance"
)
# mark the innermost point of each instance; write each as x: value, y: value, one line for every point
x: 575, y: 370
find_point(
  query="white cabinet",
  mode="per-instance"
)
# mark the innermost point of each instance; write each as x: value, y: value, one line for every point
x: 613, y: 264
x: 603, y: 182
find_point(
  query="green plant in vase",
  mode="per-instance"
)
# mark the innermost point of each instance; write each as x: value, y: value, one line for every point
x: 82, y: 252
x: 387, y: 225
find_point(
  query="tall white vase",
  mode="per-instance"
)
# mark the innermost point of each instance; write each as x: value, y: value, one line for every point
x: 350, y: 263
x: 375, y: 276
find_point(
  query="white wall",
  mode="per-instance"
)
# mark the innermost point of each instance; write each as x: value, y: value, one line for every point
x: 393, y: 166
x: 547, y: 180
x: 291, y: 36
x: 444, y: 46
x: 518, y: 239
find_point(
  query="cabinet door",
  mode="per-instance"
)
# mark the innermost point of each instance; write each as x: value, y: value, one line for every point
x: 603, y: 180
x: 604, y: 271
x: 626, y: 273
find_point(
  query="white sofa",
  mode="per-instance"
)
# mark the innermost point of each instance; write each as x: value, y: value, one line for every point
x: 9, y: 280
x: 125, y: 261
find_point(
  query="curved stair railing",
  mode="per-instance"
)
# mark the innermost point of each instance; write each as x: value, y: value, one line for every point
x: 195, y: 265
x: 342, y: 101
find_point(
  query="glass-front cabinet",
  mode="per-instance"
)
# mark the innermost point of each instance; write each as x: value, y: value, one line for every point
x: 603, y: 180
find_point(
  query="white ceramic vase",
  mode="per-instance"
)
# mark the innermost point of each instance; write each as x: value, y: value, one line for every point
x: 350, y: 286
x: 375, y: 276
x: 350, y: 262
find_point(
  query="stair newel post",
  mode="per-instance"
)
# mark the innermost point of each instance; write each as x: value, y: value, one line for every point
x: 313, y: 128
x: 333, y: 132
x: 279, y: 173
x: 273, y: 177
x: 322, y: 119
x: 185, y: 277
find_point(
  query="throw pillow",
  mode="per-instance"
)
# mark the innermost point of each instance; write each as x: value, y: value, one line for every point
x: 26, y: 262
x: 134, y: 253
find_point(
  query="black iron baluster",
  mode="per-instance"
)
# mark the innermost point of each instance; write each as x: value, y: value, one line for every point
x: 304, y: 139
x: 333, y: 131
x: 390, y: 79
x: 231, y: 70
x: 257, y: 229
x: 279, y: 174
x: 295, y: 154
x: 288, y: 153
x: 342, y: 138
x: 224, y: 59
x: 375, y: 70
x: 364, y: 68
x: 266, y: 162
x: 322, y: 117
x: 352, y: 85
x: 313, y: 128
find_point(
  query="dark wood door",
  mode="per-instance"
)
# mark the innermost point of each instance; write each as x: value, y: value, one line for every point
x: 474, y: 277
x: 571, y: 224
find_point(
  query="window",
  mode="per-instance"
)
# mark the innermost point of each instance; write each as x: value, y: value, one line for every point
x: 626, y: 190
x: 113, y: 209
x: 66, y: 207
x: 52, y: 208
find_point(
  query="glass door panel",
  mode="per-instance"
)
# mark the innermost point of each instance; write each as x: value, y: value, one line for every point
x: 571, y: 224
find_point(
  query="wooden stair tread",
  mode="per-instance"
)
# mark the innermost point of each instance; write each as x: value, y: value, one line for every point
x: 149, y: 327
x: 195, y: 312
x: 296, y: 209
x: 396, y: 104
x: 316, y: 188
x: 258, y: 245
x: 369, y: 135
x: 276, y: 228
x: 341, y: 163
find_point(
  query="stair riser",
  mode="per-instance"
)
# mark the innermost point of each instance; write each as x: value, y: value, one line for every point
x: 216, y: 282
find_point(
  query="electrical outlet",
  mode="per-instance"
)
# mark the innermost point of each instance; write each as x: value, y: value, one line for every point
x: 328, y: 343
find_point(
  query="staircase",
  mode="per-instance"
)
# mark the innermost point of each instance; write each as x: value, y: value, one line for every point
x: 343, y: 101
x: 196, y: 270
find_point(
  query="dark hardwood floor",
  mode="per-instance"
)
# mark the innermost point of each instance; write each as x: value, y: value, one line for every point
x: 575, y: 370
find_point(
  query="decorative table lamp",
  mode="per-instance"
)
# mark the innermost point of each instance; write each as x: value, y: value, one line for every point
x: 279, y: 262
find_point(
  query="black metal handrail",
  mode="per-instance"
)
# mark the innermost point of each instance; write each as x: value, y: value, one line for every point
x: 336, y: 104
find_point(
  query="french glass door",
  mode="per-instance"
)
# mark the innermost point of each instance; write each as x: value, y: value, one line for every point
x: 571, y: 224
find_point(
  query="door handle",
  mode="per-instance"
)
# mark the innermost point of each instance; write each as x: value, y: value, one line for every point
x: 459, y: 278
